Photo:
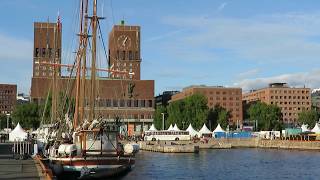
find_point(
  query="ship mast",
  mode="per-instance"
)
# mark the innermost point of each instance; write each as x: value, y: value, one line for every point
x: 84, y: 60
x: 94, y: 22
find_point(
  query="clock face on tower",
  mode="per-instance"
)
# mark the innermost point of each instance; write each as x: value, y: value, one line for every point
x: 124, y: 42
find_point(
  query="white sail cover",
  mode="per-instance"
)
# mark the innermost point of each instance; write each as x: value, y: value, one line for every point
x: 304, y: 128
x: 192, y: 132
x: 316, y: 128
x: 170, y: 128
x: 204, y: 130
x: 175, y: 128
x: 218, y: 129
x: 152, y: 128
x: 18, y: 134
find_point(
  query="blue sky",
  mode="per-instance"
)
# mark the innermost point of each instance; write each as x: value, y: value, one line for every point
x: 236, y: 43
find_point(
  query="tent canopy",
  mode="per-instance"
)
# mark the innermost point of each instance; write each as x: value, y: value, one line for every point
x: 204, y: 130
x: 304, y: 128
x: 218, y: 129
x: 316, y: 128
x: 192, y: 132
x: 152, y: 128
x: 18, y: 134
x: 170, y: 128
x: 175, y: 128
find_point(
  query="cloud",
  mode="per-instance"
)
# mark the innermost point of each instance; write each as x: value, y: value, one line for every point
x: 222, y: 6
x: 12, y: 48
x: 275, y: 38
x: 307, y: 79
x: 249, y: 73
x: 162, y: 36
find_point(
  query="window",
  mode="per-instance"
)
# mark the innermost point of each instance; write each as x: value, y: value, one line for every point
x: 43, y: 53
x: 130, y: 55
x: 122, y: 103
x: 136, y: 103
x: 137, y: 55
x: 123, y: 57
x: 128, y: 103
x: 115, y: 103
x: 108, y: 103
x: 50, y: 52
x: 142, y: 103
x: 150, y: 103
x: 36, y: 53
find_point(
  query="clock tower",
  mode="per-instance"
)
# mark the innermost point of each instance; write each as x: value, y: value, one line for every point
x: 124, y: 52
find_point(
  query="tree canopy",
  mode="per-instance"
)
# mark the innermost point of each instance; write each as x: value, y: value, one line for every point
x: 28, y: 115
x: 268, y: 116
x: 192, y: 109
x: 309, y: 117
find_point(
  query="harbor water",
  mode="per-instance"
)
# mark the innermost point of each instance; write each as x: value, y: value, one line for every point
x: 228, y: 164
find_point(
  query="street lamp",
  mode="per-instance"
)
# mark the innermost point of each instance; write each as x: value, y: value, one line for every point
x: 8, y: 115
x: 183, y: 124
x: 162, y: 121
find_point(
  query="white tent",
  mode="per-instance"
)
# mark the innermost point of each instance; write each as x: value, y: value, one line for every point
x: 170, y: 128
x: 192, y: 132
x: 152, y: 128
x: 316, y: 129
x: 204, y: 130
x: 18, y: 134
x: 175, y: 128
x: 218, y: 129
x: 304, y: 128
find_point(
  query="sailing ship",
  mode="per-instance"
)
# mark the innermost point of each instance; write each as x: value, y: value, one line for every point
x: 85, y: 145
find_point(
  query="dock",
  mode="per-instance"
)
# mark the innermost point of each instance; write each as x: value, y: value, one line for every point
x: 169, y: 148
x: 14, y: 167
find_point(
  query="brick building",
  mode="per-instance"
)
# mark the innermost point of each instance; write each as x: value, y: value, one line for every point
x: 228, y: 98
x: 8, y: 98
x: 291, y: 100
x: 127, y: 96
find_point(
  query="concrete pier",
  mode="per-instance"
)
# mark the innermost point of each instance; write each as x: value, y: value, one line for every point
x: 169, y: 148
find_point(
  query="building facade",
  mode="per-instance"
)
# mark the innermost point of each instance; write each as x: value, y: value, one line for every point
x: 46, y: 48
x: 124, y: 51
x: 164, y: 98
x: 119, y: 95
x: 290, y: 100
x: 8, y: 98
x: 228, y: 98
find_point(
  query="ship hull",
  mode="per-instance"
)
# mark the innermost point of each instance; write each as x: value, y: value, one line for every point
x: 92, y: 167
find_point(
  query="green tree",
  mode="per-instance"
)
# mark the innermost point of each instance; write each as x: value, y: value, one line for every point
x: 192, y: 109
x: 158, y: 116
x: 27, y: 115
x: 268, y: 116
x: 223, y: 118
x: 309, y: 117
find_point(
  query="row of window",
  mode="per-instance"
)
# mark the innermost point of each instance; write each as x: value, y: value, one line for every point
x: 225, y: 104
x: 6, y: 107
x: 289, y: 97
x: 2, y: 92
x: 225, y: 98
x: 125, y: 103
x: 223, y: 92
x: 47, y: 52
x: 289, y: 91
x: 126, y: 55
x: 130, y: 116
x: 294, y: 103
x: 294, y: 108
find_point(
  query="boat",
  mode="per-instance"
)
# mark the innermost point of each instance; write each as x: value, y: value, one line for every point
x: 84, y: 145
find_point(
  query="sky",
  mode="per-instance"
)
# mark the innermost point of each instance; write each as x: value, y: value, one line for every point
x: 233, y: 43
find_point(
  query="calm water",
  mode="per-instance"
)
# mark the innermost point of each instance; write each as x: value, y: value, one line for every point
x: 228, y: 164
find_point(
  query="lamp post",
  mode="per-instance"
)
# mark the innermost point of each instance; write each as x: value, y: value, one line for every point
x: 8, y: 115
x: 183, y: 124
x: 162, y: 121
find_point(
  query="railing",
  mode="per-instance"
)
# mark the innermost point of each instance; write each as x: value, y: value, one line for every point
x: 22, y: 149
